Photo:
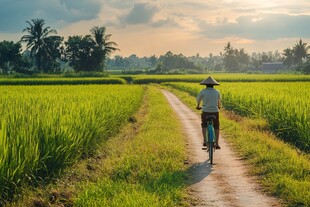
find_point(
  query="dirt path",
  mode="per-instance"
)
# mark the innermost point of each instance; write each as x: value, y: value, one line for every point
x: 223, y: 184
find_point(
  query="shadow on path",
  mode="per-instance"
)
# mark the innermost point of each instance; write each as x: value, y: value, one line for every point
x: 199, y: 171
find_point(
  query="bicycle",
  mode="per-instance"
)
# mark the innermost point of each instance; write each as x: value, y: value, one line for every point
x: 210, y: 137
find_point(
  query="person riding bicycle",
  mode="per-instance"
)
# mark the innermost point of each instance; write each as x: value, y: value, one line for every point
x: 211, y: 103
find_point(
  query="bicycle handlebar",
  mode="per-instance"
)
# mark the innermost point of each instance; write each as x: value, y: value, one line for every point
x: 199, y: 108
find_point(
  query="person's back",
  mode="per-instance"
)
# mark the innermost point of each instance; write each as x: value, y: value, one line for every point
x: 211, y: 103
x: 210, y: 98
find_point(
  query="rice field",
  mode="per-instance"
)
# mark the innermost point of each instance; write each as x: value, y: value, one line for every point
x: 60, y: 81
x: 284, y: 104
x: 221, y: 77
x: 45, y: 128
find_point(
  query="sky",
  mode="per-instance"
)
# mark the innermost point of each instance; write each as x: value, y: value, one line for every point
x: 155, y: 27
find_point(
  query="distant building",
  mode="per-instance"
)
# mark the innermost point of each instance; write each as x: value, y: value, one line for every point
x: 272, y: 67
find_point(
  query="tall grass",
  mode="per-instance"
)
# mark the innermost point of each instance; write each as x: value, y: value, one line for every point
x: 45, y: 128
x: 282, y: 170
x: 284, y: 105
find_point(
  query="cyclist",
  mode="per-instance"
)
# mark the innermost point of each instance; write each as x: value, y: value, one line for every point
x: 211, y: 103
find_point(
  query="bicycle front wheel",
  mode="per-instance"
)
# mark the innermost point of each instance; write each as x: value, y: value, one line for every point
x: 211, y: 152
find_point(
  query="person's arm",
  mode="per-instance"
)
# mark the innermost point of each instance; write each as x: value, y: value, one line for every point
x: 198, y: 101
x: 219, y: 105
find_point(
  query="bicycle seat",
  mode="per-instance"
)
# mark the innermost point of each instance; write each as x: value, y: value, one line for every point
x: 210, y: 117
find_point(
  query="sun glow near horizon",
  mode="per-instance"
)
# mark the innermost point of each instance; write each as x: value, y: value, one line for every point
x: 146, y: 28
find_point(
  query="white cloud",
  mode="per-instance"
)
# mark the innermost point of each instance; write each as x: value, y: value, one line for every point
x: 272, y: 26
x: 184, y: 24
x: 141, y: 13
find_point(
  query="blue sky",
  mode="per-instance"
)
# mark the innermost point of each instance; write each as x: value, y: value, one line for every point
x: 157, y: 26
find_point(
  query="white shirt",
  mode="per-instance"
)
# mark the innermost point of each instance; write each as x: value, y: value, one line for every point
x: 210, y: 98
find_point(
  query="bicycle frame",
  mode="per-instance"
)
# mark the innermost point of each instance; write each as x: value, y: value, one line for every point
x: 211, y: 137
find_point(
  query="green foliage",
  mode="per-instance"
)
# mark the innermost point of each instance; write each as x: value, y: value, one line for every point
x: 306, y: 68
x: 89, y: 52
x: 45, y: 128
x: 43, y: 44
x: 296, y: 55
x: 235, y: 60
x: 300, y: 51
x: 84, y: 74
x: 78, y: 52
x: 9, y: 55
x: 171, y: 61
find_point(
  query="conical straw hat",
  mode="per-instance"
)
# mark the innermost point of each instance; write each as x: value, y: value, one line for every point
x: 209, y: 81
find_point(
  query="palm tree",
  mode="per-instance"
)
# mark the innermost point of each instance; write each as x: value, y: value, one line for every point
x: 103, y: 47
x: 230, y: 61
x: 40, y: 40
x: 288, y: 57
x: 300, y: 51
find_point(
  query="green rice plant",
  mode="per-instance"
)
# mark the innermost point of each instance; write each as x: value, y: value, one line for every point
x: 221, y: 77
x: 46, y: 128
x: 60, y: 81
x: 284, y: 105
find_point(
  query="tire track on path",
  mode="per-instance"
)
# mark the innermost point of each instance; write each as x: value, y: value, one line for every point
x: 226, y: 182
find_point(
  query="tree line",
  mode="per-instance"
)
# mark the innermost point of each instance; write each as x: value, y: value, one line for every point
x: 295, y: 58
x: 49, y: 53
x: 168, y: 63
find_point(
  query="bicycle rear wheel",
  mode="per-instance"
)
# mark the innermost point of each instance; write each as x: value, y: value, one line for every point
x: 211, y: 145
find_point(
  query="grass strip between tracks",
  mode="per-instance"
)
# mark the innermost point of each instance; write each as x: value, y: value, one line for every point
x: 146, y: 170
